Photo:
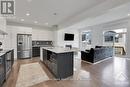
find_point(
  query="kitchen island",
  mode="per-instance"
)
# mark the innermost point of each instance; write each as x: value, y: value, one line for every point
x: 6, y: 63
x: 58, y: 60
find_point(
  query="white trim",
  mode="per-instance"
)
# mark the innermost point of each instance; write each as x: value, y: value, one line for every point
x: 98, y: 61
x: 87, y: 62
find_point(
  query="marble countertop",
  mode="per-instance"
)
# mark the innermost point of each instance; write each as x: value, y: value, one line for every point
x: 2, y: 54
x: 4, y: 51
x: 60, y: 49
x: 42, y: 46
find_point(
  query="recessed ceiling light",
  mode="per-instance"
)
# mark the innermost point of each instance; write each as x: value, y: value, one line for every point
x: 22, y: 19
x: 46, y: 23
x: 35, y: 22
x: 128, y: 14
x: 54, y: 13
x: 27, y: 14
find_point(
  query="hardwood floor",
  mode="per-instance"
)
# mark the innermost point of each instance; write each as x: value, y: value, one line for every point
x: 114, y: 72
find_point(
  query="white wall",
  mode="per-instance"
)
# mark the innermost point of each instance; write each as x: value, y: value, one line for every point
x: 11, y: 38
x: 37, y: 34
x: 2, y: 28
x: 128, y: 39
x: 60, y: 37
x: 42, y: 34
x: 2, y: 24
x: 97, y: 31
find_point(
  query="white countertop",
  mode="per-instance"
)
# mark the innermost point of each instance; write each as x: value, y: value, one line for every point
x: 42, y: 46
x: 3, y: 52
x: 60, y: 49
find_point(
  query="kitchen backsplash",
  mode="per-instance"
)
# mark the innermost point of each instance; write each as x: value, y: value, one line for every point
x: 42, y: 43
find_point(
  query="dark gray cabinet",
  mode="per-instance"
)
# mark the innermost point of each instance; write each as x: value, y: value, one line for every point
x: 36, y: 47
x: 60, y: 64
x: 9, y: 60
x: 35, y: 51
x: 6, y: 63
x: 2, y: 69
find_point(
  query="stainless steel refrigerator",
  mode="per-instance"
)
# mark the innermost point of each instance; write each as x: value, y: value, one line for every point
x: 24, y: 46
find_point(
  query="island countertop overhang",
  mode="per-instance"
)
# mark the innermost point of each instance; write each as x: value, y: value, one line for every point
x: 60, y: 49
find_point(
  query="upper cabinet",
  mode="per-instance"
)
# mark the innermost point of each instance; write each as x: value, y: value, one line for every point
x: 2, y: 26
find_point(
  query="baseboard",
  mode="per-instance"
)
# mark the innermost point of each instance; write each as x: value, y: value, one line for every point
x: 87, y: 62
x: 98, y: 61
x: 103, y: 60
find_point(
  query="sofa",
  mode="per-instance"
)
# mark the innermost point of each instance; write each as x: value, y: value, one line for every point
x: 97, y: 54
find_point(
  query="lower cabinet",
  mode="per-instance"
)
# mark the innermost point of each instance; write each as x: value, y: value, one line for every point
x: 2, y: 70
x: 6, y: 62
x: 60, y: 64
x: 9, y: 60
x: 54, y: 69
x: 35, y: 51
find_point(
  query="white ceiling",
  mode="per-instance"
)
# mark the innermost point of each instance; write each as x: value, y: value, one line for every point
x: 121, y: 12
x: 43, y: 11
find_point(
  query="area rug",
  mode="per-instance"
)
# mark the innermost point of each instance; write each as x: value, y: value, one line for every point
x: 31, y: 74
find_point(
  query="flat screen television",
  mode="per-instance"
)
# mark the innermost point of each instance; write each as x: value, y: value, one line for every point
x: 68, y: 37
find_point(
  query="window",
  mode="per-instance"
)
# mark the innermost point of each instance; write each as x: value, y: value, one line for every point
x: 109, y: 36
x: 86, y: 37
